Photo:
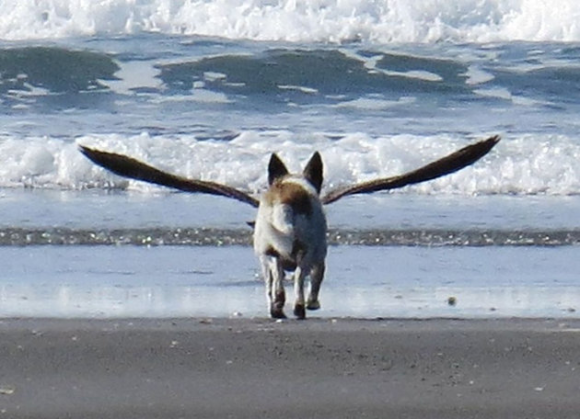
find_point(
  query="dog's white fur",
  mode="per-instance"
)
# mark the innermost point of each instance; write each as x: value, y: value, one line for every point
x: 290, y: 234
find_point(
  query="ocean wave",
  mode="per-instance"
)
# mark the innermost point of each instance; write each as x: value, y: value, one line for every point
x: 56, y: 70
x: 391, y: 21
x: 522, y: 165
x: 296, y: 75
x: 370, y: 77
x: 317, y: 75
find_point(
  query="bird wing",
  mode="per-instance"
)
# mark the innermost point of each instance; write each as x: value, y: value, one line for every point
x: 134, y: 169
x: 444, y: 166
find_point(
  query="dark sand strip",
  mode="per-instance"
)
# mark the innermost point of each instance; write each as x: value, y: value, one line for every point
x: 240, y: 368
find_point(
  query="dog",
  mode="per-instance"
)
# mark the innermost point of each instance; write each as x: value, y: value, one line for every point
x: 290, y: 234
x: 290, y: 227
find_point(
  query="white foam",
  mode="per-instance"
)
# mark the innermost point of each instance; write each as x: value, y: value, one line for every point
x: 302, y: 89
x: 415, y: 74
x: 505, y: 94
x: 208, y: 96
x: 371, y: 103
x: 134, y: 75
x: 295, y: 21
x: 476, y: 75
x: 526, y: 165
x: 495, y: 92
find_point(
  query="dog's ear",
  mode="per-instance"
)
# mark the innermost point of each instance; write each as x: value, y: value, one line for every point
x: 313, y: 171
x: 276, y: 169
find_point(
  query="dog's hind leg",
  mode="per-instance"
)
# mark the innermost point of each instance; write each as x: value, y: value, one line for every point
x: 316, y: 277
x: 268, y: 280
x: 299, y: 310
x: 275, y: 289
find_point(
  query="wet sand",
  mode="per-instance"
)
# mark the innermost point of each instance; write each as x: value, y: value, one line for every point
x: 319, y: 368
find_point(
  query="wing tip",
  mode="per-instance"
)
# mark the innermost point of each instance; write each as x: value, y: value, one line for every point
x: 90, y: 153
x: 84, y: 149
x: 493, y: 140
x: 486, y: 145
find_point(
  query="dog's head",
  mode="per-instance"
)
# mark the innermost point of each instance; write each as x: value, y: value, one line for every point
x: 312, y: 172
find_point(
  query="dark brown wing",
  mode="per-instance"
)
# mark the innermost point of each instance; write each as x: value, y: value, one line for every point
x: 134, y: 169
x: 449, y: 164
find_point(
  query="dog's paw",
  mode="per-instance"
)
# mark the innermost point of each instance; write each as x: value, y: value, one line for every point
x: 300, y: 311
x: 277, y: 311
x: 313, y: 305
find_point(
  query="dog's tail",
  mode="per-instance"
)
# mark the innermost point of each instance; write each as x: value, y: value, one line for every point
x: 283, y: 218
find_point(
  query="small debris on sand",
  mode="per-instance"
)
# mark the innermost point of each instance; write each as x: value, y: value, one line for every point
x: 6, y: 390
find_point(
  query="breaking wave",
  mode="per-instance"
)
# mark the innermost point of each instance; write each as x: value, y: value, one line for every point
x: 391, y: 21
x: 524, y: 165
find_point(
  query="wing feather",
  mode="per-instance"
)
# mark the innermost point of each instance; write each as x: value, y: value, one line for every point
x: 134, y: 169
x: 444, y: 166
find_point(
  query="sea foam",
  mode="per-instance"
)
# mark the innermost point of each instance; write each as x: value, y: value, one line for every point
x: 524, y: 165
x: 295, y: 21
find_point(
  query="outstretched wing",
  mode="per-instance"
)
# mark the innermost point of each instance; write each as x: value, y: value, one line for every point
x: 134, y: 169
x: 449, y: 164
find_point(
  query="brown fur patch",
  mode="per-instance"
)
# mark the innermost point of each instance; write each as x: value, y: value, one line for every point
x: 290, y: 194
x: 270, y: 251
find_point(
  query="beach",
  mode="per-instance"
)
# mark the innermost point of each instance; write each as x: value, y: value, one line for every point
x: 318, y: 368
x: 453, y: 298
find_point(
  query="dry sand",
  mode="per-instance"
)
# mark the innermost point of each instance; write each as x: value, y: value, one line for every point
x: 243, y: 368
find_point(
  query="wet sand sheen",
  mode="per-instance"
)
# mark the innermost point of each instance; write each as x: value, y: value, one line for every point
x: 362, y: 282
x: 241, y: 368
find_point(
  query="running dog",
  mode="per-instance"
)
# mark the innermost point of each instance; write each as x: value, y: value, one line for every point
x: 290, y: 227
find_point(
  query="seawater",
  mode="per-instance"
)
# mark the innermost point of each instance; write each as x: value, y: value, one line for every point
x: 208, y: 89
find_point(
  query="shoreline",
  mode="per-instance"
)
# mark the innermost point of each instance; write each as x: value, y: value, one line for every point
x: 318, y: 368
x: 242, y: 237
